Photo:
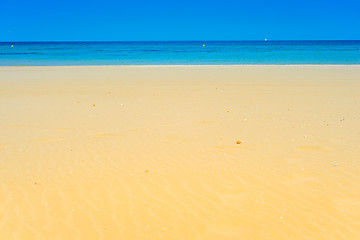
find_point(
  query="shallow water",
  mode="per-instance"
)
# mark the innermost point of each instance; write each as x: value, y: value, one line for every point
x: 179, y: 53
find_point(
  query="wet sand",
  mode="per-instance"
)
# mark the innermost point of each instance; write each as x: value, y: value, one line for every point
x: 150, y: 152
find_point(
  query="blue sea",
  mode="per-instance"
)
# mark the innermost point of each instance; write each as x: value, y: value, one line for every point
x: 179, y: 53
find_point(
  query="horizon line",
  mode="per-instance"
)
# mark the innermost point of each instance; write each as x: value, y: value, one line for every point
x: 268, y: 40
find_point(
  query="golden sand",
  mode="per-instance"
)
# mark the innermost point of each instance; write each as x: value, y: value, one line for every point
x: 125, y: 152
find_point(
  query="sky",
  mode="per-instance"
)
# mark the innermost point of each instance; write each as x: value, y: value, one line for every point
x: 141, y: 20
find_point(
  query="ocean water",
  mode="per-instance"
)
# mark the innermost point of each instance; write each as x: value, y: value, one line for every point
x: 179, y: 53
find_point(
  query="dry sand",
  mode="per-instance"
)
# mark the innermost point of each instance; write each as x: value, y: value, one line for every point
x: 150, y: 152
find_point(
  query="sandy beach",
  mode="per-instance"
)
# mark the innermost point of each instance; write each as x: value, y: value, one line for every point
x: 180, y: 152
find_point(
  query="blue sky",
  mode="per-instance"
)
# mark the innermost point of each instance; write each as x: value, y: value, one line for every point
x: 111, y: 20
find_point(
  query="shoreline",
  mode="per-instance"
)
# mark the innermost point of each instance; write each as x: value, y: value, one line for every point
x: 183, y: 66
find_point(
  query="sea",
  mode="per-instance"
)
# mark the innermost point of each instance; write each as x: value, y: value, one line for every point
x: 179, y: 53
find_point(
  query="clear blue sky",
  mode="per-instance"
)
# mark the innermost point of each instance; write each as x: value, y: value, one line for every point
x: 111, y: 20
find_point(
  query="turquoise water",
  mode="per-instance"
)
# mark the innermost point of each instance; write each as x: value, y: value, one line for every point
x: 178, y: 53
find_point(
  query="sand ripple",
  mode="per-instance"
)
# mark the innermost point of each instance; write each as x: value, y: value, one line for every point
x: 158, y: 159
